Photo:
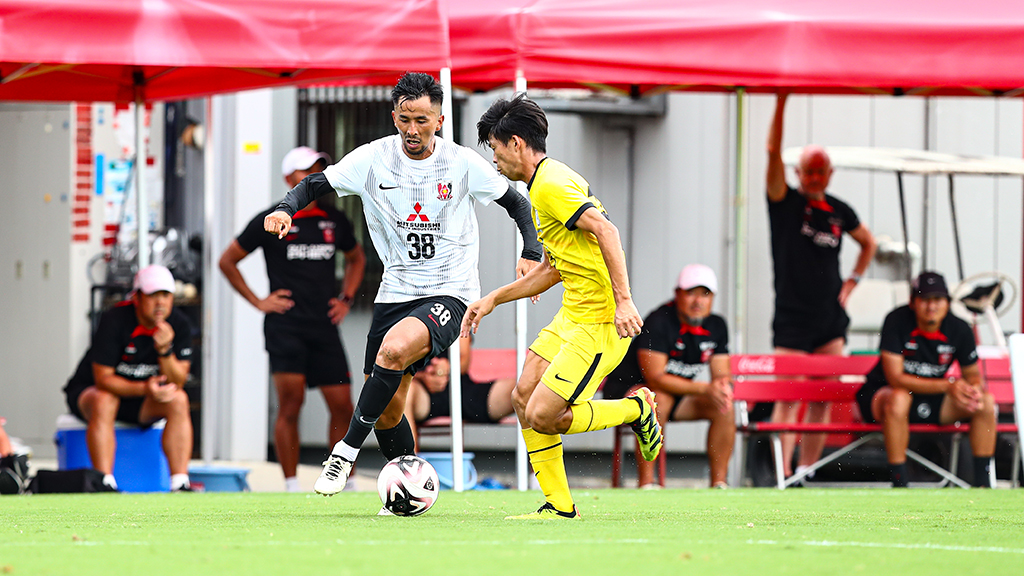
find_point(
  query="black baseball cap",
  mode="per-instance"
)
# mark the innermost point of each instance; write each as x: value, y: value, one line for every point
x: 929, y: 284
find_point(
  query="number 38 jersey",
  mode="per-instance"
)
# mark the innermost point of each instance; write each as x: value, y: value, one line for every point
x: 420, y: 214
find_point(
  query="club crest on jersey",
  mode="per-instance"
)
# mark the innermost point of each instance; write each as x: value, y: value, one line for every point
x: 444, y: 190
x: 329, y: 235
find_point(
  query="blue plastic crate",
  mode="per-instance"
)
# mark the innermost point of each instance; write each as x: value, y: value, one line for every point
x: 139, y: 462
x: 218, y: 478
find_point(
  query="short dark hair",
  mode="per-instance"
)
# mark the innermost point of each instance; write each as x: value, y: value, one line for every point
x: 415, y: 85
x: 519, y: 116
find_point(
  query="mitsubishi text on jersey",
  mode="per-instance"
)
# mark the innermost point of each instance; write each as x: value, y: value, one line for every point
x: 420, y: 214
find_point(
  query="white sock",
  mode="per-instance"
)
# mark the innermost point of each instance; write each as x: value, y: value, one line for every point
x: 108, y: 479
x: 291, y: 484
x: 345, y: 451
x: 179, y: 481
x: 800, y: 469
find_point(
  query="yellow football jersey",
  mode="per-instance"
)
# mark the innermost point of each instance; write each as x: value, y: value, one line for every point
x: 559, y: 196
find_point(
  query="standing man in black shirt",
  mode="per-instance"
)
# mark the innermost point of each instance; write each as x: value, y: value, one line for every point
x: 677, y: 341
x: 303, y: 308
x: 807, y: 227
x: 910, y: 385
x: 134, y: 372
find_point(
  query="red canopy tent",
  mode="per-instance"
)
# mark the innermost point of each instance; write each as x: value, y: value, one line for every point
x: 104, y: 50
x: 872, y: 46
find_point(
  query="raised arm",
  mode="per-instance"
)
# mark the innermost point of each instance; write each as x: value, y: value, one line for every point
x: 627, y: 319
x: 536, y: 281
x: 776, y: 173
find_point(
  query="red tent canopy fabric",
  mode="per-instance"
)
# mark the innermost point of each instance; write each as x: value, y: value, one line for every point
x: 911, y: 46
x: 52, y: 50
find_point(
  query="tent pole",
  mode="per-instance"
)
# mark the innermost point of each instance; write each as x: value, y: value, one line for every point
x: 956, y: 231
x: 522, y: 459
x: 142, y: 201
x: 740, y: 203
x: 903, y: 219
x: 454, y: 352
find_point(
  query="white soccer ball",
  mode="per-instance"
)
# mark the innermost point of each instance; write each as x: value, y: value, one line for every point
x: 408, y: 486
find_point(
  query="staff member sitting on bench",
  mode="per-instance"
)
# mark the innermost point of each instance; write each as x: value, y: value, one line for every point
x: 910, y: 383
x: 134, y: 372
x: 677, y: 341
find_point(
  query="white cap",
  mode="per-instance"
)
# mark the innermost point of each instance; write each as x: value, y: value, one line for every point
x: 154, y: 278
x: 301, y: 158
x: 696, y: 275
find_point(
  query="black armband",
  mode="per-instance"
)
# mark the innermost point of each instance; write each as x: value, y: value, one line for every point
x: 170, y: 350
x: 518, y: 209
x: 309, y: 189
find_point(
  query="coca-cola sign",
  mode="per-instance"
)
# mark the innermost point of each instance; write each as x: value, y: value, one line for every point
x: 756, y: 365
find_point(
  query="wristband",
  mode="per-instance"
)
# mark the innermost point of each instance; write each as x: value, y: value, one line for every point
x: 170, y: 350
x: 347, y: 300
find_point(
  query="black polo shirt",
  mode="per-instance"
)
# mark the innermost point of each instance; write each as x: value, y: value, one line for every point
x: 120, y: 342
x: 806, y: 239
x: 304, y: 260
x: 688, y: 348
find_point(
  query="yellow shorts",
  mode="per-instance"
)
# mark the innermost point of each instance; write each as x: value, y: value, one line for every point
x: 581, y: 355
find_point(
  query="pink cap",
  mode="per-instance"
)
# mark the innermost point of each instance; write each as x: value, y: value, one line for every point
x: 154, y: 278
x: 696, y: 275
x: 301, y: 158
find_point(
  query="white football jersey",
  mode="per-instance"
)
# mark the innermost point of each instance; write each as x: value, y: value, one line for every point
x: 420, y: 214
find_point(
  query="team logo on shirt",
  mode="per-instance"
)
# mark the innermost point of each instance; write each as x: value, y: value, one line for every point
x: 444, y: 191
x: 417, y: 214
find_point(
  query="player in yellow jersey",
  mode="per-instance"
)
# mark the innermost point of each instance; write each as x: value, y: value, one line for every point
x: 590, y: 333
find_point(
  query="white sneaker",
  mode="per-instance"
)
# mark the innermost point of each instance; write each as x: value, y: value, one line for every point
x: 384, y: 512
x: 332, y: 480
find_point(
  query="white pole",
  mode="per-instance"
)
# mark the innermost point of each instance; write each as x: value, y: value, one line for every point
x: 212, y: 340
x: 454, y: 356
x: 740, y: 263
x: 142, y: 208
x: 522, y: 458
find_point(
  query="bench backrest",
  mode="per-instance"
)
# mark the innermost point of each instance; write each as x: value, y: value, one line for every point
x: 767, y: 377
x: 487, y: 364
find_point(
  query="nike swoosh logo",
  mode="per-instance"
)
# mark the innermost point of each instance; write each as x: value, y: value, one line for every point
x: 368, y: 422
x: 383, y: 187
x: 557, y: 377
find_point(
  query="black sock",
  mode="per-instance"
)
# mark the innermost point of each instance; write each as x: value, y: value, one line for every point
x: 397, y: 441
x: 898, y: 473
x: 377, y: 392
x: 981, y: 471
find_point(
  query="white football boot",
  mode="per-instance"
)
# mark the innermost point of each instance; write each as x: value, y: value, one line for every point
x: 334, y: 476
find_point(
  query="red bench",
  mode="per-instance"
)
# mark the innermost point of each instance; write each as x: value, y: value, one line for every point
x: 771, y: 378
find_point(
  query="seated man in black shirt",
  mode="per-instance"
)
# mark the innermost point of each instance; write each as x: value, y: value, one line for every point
x: 910, y: 383
x: 482, y: 402
x: 134, y: 372
x: 677, y: 341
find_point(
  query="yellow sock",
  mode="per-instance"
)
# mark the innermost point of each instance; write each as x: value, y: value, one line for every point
x: 601, y: 414
x: 546, y: 457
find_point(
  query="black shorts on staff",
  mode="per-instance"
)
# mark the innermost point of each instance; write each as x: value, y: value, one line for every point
x: 474, y: 402
x: 442, y: 315
x: 924, y: 408
x: 127, y: 411
x: 809, y: 331
x: 311, y: 349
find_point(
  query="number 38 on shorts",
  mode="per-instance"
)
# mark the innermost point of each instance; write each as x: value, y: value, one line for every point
x: 442, y: 314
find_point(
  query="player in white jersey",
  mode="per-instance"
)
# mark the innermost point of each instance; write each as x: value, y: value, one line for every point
x: 416, y: 190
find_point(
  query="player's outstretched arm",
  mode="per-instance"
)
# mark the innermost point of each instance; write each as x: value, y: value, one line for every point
x: 309, y: 189
x: 627, y: 318
x: 518, y: 209
x: 536, y: 281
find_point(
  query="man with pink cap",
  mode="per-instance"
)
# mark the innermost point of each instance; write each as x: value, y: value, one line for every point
x: 682, y: 354
x: 134, y: 371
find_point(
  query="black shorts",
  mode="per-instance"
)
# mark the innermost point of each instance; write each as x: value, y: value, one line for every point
x: 127, y: 411
x: 808, y: 332
x: 311, y: 349
x: 924, y: 408
x: 442, y: 315
x: 474, y: 402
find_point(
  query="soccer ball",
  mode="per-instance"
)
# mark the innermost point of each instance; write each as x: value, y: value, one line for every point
x: 408, y: 486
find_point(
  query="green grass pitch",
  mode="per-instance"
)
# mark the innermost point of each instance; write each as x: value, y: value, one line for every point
x: 722, y: 532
